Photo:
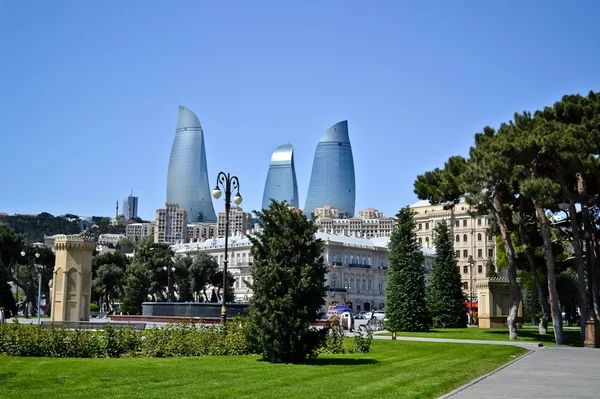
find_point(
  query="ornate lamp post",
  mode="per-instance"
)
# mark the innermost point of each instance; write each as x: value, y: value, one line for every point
x: 592, y: 333
x: 471, y: 264
x: 227, y: 182
x: 32, y: 264
x: 169, y: 270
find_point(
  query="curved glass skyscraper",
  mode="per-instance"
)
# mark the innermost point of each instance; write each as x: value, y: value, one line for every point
x: 187, y: 180
x: 281, y: 181
x: 332, y: 180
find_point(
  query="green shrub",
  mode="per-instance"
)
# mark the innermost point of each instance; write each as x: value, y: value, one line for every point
x: 362, y: 343
x: 94, y: 307
x: 334, y: 342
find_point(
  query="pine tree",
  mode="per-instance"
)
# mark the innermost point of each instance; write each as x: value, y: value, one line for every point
x: 7, y: 300
x: 406, y: 308
x: 288, y: 284
x: 445, y: 299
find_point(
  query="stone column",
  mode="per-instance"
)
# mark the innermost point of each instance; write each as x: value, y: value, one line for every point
x: 72, y: 278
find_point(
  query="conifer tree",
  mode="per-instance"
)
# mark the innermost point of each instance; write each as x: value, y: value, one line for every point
x: 445, y: 299
x: 288, y: 284
x: 406, y: 308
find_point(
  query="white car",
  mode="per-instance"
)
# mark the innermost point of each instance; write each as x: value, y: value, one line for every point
x: 378, y: 314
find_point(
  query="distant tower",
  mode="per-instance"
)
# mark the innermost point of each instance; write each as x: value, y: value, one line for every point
x: 332, y: 180
x: 281, y: 182
x: 187, y: 178
x: 117, y: 212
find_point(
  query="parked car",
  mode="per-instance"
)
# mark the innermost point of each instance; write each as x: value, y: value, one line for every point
x: 360, y: 315
x: 378, y: 314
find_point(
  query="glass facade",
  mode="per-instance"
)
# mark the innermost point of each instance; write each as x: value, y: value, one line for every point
x: 130, y: 207
x: 332, y: 180
x: 281, y: 181
x: 187, y: 180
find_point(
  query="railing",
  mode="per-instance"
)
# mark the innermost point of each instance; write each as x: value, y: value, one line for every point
x: 336, y: 263
x: 359, y: 266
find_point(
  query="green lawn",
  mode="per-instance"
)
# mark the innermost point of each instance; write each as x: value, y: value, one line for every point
x: 528, y: 334
x: 392, y: 370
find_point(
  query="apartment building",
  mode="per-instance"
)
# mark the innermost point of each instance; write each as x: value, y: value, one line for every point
x: 239, y: 222
x: 138, y: 231
x: 369, y: 224
x: 171, y: 225
x: 201, y: 231
x: 473, y: 246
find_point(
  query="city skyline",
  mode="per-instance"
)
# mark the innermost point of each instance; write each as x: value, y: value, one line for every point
x: 90, y: 110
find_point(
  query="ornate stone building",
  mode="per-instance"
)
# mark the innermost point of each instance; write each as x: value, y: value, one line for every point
x: 371, y: 223
x: 470, y: 237
x: 357, y: 268
x: 171, y: 225
x: 239, y: 222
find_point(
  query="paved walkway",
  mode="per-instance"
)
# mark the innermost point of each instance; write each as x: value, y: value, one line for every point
x: 551, y: 372
x: 545, y: 372
x: 527, y: 345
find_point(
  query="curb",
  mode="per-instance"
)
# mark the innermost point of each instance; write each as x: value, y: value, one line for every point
x: 483, y: 377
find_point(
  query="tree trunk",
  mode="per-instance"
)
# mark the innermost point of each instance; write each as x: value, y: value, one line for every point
x: 541, y: 294
x: 515, y: 290
x: 577, y: 248
x: 554, y: 308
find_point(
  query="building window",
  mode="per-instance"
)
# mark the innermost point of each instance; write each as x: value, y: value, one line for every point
x: 490, y: 253
x: 420, y: 226
x: 465, y: 285
x: 465, y: 253
x: 420, y: 240
x: 465, y: 269
x: 370, y: 286
x: 457, y: 238
x: 489, y: 238
x: 480, y: 253
x: 427, y: 241
x: 464, y: 238
x: 465, y: 223
x: 457, y: 223
x: 426, y: 226
x: 478, y: 222
x: 480, y: 269
x: 478, y: 236
x: 458, y: 253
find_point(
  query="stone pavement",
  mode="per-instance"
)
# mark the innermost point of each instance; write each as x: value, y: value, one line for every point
x: 550, y: 372
x: 545, y: 372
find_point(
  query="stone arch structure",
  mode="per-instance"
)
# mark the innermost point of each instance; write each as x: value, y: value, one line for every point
x: 72, y: 278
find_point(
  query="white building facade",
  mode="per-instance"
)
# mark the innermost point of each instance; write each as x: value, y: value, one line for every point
x: 357, y: 268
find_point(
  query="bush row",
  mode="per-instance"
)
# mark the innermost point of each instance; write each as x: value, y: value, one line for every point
x: 172, y: 340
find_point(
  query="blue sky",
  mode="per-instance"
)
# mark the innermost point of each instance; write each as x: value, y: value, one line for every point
x: 89, y: 91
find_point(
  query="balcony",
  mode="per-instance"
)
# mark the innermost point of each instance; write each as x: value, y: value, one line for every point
x: 337, y: 289
x: 383, y: 267
x: 359, y: 266
x: 336, y: 264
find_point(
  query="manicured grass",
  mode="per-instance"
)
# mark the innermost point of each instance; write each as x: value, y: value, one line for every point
x: 392, y: 370
x: 528, y: 334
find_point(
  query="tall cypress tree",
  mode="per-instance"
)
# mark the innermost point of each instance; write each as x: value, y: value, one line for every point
x: 288, y: 284
x: 406, y: 308
x: 445, y: 299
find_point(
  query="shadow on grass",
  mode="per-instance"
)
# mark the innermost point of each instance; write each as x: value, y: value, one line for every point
x: 331, y: 362
x: 338, y: 362
x: 572, y: 337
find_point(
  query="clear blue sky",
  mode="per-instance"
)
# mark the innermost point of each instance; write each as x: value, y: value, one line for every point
x: 89, y: 91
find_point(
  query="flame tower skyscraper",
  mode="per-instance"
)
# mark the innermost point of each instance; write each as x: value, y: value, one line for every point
x: 187, y: 180
x: 332, y: 180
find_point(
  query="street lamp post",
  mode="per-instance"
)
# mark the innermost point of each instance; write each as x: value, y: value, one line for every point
x: 31, y: 261
x: 169, y: 270
x: 591, y: 324
x: 39, y: 270
x: 227, y: 182
x: 471, y: 263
